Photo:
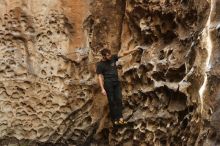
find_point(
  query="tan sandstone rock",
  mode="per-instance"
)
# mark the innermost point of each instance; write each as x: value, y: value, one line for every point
x: 48, y: 91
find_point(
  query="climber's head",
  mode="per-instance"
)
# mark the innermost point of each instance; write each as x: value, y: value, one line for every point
x: 106, y: 54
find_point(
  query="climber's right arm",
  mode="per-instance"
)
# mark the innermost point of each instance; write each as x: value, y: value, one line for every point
x: 99, y: 71
x: 101, y: 83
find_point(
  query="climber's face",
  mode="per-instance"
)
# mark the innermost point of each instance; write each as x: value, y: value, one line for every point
x: 108, y: 56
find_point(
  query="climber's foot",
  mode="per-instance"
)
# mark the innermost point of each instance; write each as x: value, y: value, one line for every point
x: 121, y: 121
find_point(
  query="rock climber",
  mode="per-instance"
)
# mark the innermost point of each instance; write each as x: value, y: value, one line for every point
x: 109, y: 82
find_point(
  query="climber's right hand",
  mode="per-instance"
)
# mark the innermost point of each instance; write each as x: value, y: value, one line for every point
x: 104, y: 92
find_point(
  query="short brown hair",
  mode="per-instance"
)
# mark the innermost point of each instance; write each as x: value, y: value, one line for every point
x: 105, y: 51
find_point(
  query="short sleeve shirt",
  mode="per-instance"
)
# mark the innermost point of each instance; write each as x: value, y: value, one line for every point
x: 108, y: 69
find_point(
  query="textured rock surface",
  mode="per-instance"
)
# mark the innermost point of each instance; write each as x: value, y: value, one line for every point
x: 48, y: 90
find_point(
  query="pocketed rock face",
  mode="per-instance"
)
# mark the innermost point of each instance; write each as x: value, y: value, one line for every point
x: 211, y: 92
x: 42, y: 51
x: 163, y: 81
x: 48, y: 91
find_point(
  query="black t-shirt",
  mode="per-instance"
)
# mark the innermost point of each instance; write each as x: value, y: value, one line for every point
x: 108, y: 69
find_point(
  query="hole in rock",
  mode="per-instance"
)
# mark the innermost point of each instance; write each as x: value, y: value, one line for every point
x: 147, y: 80
x: 65, y: 109
x: 161, y: 55
x: 169, y: 52
x: 168, y: 36
x: 43, y: 72
x: 49, y: 32
x: 159, y: 76
x: 88, y: 120
x: 176, y: 74
x: 30, y: 29
x: 177, y: 101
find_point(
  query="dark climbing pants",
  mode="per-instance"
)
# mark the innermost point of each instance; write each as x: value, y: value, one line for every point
x: 113, y: 90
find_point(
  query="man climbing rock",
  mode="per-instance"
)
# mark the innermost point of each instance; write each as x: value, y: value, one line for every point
x: 110, y: 84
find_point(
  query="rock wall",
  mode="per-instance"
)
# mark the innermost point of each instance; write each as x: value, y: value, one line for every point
x: 43, y: 49
x: 48, y: 91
